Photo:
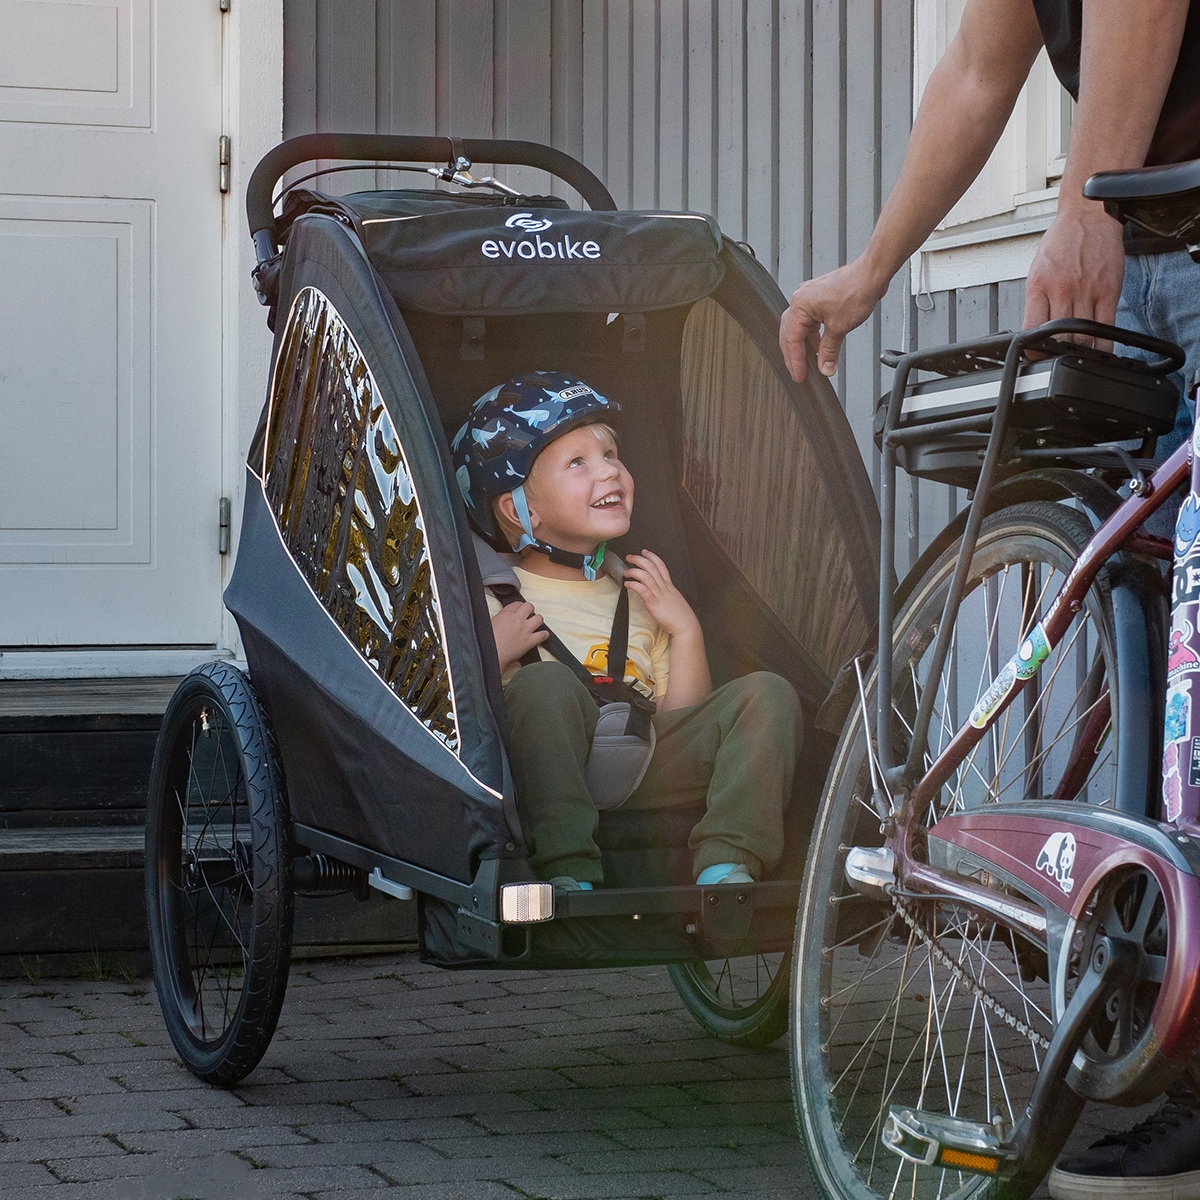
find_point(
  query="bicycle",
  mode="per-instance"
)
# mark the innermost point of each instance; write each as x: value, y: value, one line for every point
x: 998, y: 917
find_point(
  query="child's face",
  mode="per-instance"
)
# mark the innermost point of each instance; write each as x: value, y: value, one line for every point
x: 579, y: 492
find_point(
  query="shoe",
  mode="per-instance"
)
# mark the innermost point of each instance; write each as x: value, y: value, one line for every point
x: 724, y: 873
x: 1158, y: 1159
x: 564, y: 883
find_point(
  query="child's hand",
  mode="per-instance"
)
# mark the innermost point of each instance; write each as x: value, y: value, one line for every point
x: 516, y: 628
x: 689, y: 681
x: 647, y: 575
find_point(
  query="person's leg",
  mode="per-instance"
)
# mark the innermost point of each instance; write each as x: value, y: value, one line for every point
x: 552, y: 718
x: 1159, y: 1158
x: 1158, y: 298
x: 736, y: 750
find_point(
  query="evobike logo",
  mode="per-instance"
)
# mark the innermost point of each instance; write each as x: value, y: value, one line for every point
x: 528, y: 222
x: 536, y: 247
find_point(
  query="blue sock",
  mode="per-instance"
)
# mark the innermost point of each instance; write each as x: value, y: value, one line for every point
x: 715, y: 873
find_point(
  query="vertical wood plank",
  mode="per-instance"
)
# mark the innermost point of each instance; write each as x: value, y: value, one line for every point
x: 465, y: 61
x: 975, y: 311
x: 828, y: 137
x: 406, y: 44
x: 860, y: 368
x: 299, y: 67
x: 346, y: 65
x: 794, y: 140
x: 1010, y: 304
x: 566, y: 94
x: 644, y: 116
x: 619, y: 100
x: 673, y: 103
x: 702, y: 106
x: 897, y: 313
x: 762, y: 131
x: 523, y: 95
x: 346, y: 79
x: 731, y: 108
x: 595, y: 89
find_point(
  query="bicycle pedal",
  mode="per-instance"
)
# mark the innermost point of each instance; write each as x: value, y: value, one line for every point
x: 933, y: 1140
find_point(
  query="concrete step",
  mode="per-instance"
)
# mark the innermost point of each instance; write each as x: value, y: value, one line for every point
x: 77, y: 752
x: 102, y: 848
x: 75, y: 760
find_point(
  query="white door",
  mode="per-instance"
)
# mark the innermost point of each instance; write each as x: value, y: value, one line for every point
x: 110, y: 323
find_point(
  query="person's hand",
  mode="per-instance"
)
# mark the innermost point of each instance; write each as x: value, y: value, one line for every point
x: 517, y: 629
x: 1077, y: 270
x: 647, y: 575
x: 823, y: 311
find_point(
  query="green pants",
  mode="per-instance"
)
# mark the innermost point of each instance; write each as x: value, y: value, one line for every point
x: 735, y: 750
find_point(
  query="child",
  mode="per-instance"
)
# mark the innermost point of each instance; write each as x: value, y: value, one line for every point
x: 539, y: 469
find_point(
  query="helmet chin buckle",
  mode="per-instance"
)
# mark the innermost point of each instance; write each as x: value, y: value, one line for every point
x: 589, y: 564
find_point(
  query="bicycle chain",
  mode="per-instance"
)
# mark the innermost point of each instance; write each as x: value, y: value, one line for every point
x: 984, y: 997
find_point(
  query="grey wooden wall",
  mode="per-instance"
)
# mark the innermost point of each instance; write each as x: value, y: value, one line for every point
x: 786, y: 119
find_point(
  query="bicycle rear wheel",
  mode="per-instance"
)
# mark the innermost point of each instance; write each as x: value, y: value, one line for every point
x: 218, y: 875
x: 916, y: 1001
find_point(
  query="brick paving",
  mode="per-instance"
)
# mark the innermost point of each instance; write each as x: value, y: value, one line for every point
x: 390, y: 1078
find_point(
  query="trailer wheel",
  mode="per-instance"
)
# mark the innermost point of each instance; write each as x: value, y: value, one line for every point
x: 743, y: 1001
x: 219, y: 893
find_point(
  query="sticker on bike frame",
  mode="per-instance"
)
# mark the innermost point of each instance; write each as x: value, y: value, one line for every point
x: 1181, y: 658
x: 1185, y: 581
x: 1194, y: 764
x: 1187, y: 527
x: 1172, y: 784
x: 1179, y: 713
x: 991, y: 700
x: 1056, y: 858
x: 1034, y: 651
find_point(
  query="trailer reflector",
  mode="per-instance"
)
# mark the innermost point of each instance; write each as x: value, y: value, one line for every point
x: 526, y: 903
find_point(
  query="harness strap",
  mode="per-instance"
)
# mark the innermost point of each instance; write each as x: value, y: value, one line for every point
x: 605, y: 689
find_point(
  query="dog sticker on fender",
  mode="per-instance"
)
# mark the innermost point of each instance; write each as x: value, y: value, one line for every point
x: 1056, y: 858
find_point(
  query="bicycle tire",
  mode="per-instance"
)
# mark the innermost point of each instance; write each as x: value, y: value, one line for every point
x: 219, y: 895
x: 743, y: 1001
x: 879, y: 1019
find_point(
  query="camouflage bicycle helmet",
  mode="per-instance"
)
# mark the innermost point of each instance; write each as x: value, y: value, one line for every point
x: 507, y: 428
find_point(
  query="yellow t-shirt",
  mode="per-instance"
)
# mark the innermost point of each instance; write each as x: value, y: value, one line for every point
x: 581, y: 613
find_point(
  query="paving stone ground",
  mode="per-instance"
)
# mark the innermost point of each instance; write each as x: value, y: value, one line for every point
x: 387, y: 1078
x: 397, y: 1081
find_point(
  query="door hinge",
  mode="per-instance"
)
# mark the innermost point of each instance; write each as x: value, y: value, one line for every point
x: 223, y: 155
x: 226, y: 5
x: 223, y: 525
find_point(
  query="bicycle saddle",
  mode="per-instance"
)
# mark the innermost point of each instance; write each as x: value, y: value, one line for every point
x: 1145, y: 183
x: 1164, y: 201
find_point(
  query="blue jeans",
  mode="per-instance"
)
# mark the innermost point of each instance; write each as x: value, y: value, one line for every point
x: 1161, y: 297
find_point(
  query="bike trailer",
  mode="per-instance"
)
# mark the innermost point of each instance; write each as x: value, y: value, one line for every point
x: 372, y: 671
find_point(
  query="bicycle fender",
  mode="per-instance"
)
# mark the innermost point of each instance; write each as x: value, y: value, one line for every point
x: 1057, y: 853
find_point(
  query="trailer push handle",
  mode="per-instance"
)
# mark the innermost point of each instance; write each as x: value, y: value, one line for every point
x: 382, y: 148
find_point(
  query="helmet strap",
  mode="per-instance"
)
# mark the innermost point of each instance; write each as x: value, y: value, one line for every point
x: 589, y: 564
x: 522, y: 507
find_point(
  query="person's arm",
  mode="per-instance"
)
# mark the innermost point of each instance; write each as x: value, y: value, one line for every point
x: 966, y: 105
x: 689, y: 680
x: 1127, y: 59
